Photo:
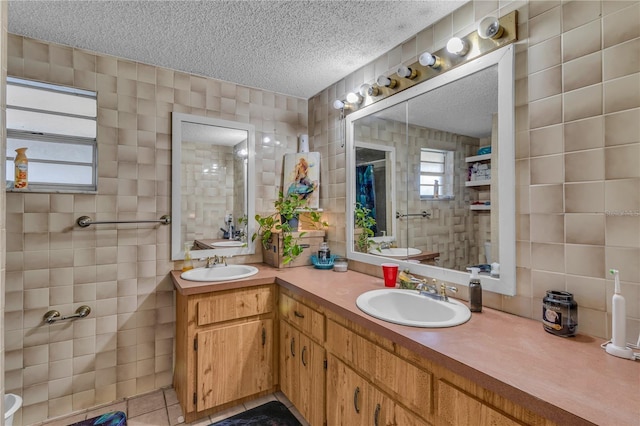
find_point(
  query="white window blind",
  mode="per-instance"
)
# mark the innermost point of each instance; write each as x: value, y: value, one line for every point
x: 436, y: 165
x: 58, y: 126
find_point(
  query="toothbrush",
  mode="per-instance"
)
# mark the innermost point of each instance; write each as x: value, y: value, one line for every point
x: 618, y: 346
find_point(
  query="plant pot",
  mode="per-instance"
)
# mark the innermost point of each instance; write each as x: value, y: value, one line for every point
x: 293, y: 222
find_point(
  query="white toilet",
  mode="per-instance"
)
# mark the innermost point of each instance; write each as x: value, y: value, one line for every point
x: 12, y: 403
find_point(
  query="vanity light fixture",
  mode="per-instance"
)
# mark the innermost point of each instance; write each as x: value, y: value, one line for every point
x: 490, y: 27
x: 369, y: 90
x: 428, y: 59
x: 406, y: 72
x: 457, y: 46
x: 385, y: 81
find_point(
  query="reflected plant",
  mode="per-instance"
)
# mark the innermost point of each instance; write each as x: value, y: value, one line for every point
x: 364, y: 222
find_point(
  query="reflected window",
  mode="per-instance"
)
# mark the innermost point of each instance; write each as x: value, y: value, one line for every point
x: 436, y: 174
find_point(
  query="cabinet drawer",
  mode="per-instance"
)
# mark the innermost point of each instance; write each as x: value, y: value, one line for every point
x: 308, y: 320
x: 408, y: 383
x: 233, y: 304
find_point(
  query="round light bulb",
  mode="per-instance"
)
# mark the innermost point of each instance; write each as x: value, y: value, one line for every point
x: 490, y: 27
x: 457, y: 46
x: 427, y: 59
x: 354, y: 98
x: 384, y: 81
x: 406, y: 72
x: 364, y: 89
x: 338, y: 104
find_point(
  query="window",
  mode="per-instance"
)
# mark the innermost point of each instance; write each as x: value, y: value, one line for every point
x: 436, y: 174
x: 58, y: 127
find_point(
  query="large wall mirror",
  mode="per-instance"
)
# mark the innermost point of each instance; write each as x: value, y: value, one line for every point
x: 212, y: 186
x: 452, y: 205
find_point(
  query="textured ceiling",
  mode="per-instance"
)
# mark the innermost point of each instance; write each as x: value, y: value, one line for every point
x: 292, y: 47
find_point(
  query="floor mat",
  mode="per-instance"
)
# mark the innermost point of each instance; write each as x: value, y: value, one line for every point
x: 114, y: 418
x: 272, y: 413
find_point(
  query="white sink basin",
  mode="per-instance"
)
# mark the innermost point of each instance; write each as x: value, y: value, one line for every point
x: 396, y: 252
x: 220, y: 273
x: 228, y: 244
x: 407, y: 307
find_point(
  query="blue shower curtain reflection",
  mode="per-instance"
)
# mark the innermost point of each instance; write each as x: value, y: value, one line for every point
x: 365, y: 190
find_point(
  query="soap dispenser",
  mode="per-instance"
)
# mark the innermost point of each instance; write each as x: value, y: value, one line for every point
x: 187, y: 264
x: 475, y: 291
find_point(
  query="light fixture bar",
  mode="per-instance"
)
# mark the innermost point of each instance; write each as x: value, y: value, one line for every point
x: 432, y: 64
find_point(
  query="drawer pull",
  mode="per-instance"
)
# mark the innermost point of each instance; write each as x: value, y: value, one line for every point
x: 292, y: 346
x: 356, y: 397
x: 298, y: 314
x: 376, y: 415
x: 264, y: 336
x: 304, y: 362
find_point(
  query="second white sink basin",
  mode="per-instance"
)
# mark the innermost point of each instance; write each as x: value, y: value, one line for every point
x: 396, y: 252
x: 219, y: 273
x: 407, y: 307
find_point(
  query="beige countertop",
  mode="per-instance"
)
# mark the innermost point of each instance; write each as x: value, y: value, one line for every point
x: 568, y: 380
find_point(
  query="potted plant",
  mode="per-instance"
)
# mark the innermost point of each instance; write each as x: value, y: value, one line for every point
x: 285, y: 220
x: 363, y: 223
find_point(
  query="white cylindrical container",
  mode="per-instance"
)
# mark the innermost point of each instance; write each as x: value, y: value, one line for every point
x: 12, y: 403
x: 304, y: 143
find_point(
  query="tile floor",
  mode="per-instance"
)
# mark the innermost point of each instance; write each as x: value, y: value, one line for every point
x: 161, y: 408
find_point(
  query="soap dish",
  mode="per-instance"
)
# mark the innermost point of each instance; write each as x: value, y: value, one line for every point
x: 323, y: 265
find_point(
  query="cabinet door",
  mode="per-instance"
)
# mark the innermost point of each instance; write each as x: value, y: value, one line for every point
x: 347, y: 400
x: 289, y: 365
x: 233, y: 362
x: 457, y: 408
x: 312, y: 381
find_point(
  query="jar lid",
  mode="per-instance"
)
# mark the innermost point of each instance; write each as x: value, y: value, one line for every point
x: 559, y: 295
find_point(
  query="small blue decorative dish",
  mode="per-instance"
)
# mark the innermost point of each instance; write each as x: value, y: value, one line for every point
x: 323, y: 265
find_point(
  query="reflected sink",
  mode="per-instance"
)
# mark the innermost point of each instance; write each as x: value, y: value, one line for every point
x: 220, y: 273
x: 407, y: 307
x: 396, y: 252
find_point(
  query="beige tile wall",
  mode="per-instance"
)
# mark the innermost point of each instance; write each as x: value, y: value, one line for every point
x: 125, y: 346
x: 577, y: 149
x: 3, y: 200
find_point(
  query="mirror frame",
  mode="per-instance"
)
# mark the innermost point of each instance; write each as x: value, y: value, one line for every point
x: 177, y: 251
x: 391, y: 151
x: 506, y: 283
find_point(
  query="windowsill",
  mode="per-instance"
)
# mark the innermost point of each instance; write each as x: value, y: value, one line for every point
x: 50, y: 191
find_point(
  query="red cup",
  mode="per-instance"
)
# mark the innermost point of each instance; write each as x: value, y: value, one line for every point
x: 390, y: 273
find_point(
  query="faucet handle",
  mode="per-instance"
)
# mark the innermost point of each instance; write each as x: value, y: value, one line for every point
x: 444, y: 288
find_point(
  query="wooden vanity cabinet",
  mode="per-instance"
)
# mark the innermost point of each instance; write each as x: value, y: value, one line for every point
x: 353, y: 400
x: 224, y: 348
x: 302, y: 358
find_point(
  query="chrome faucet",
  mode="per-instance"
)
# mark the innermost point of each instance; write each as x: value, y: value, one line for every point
x: 385, y: 245
x: 433, y: 292
x: 216, y: 260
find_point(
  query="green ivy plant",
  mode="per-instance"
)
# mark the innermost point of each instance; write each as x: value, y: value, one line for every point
x: 287, y: 207
x: 364, y: 222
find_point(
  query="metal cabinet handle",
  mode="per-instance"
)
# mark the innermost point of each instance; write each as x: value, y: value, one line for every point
x: 356, y: 397
x: 376, y: 415
x: 298, y: 314
x: 292, y: 346
x: 304, y: 362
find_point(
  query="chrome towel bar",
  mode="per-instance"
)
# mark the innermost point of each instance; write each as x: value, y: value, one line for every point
x: 52, y: 316
x: 423, y: 214
x: 84, y: 221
